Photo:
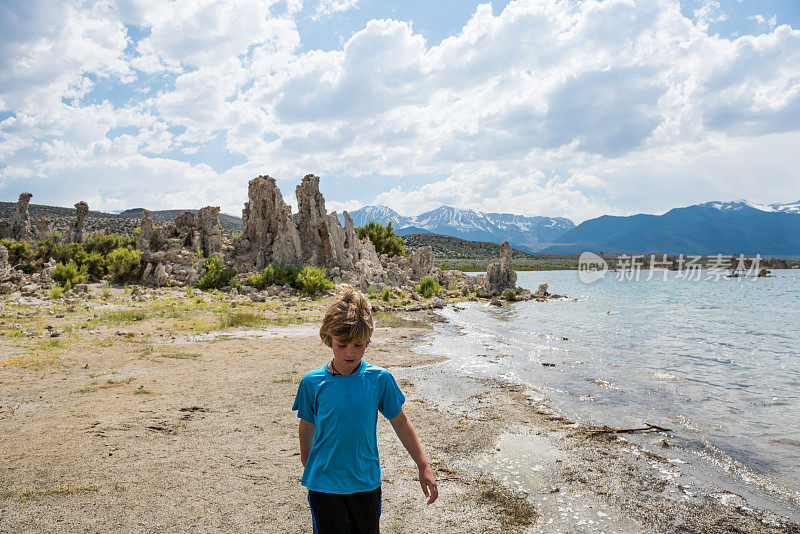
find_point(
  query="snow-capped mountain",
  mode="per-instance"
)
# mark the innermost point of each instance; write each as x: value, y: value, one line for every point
x: 738, y: 227
x: 520, y: 231
x: 789, y: 207
x: 737, y: 205
x: 380, y: 214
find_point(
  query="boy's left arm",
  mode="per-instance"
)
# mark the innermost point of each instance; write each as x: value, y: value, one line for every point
x: 408, y: 437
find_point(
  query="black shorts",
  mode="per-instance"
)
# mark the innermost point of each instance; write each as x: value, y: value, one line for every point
x: 356, y: 513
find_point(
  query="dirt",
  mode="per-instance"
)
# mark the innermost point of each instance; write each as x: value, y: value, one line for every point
x: 133, y: 425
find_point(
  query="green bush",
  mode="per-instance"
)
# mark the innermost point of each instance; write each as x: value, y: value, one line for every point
x: 49, y: 248
x: 311, y: 279
x: 428, y: 287
x: 96, y: 264
x: 280, y: 275
x: 286, y: 274
x: 383, y: 237
x: 452, y: 286
x: 263, y: 279
x: 105, y: 243
x: 72, y: 252
x: 19, y: 252
x: 386, y: 294
x: 509, y: 294
x: 123, y: 262
x: 217, y: 275
x: 70, y: 274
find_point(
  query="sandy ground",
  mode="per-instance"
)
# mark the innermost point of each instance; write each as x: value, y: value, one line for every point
x: 154, y: 422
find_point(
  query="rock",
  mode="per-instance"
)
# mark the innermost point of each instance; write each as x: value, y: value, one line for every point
x: 436, y: 302
x: 21, y: 223
x: 541, y: 291
x: 80, y: 288
x: 160, y: 275
x: 501, y: 276
x: 150, y: 237
x: 76, y: 228
x: 269, y: 232
x: 208, y: 231
x: 258, y: 297
x: 421, y: 262
x: 43, y: 230
x: 496, y: 302
x: 121, y: 333
x: 5, y: 267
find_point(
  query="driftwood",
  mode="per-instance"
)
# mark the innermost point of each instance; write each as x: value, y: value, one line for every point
x: 609, y: 430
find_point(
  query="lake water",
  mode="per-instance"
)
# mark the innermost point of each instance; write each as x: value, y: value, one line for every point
x: 715, y: 360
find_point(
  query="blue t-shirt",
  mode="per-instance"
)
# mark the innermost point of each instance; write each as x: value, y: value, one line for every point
x: 344, y: 408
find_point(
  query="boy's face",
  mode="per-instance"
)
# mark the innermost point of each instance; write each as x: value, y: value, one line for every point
x: 347, y: 356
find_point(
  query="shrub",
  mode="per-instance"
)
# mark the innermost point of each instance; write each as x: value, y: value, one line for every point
x: 428, y: 287
x: 452, y: 286
x: 509, y: 294
x: 383, y: 237
x: 55, y: 292
x: 312, y: 279
x: 96, y: 264
x: 49, y: 248
x: 19, y: 252
x: 372, y: 291
x: 286, y: 274
x: 72, y: 252
x: 105, y: 243
x: 217, y: 275
x: 106, y: 292
x: 69, y: 274
x: 263, y: 279
x: 386, y: 294
x: 123, y: 262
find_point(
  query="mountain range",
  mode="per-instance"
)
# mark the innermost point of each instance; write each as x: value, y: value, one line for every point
x: 738, y: 227
x: 527, y: 233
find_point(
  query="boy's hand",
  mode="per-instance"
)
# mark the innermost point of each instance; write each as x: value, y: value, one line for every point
x: 428, y: 483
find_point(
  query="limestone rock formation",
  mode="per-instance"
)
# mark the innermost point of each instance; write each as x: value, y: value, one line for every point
x: 43, y: 229
x: 208, y: 231
x: 421, y: 262
x: 184, y: 228
x: 500, y: 276
x: 270, y: 235
x: 21, y: 224
x: 76, y: 228
x: 5, y: 267
x: 150, y: 238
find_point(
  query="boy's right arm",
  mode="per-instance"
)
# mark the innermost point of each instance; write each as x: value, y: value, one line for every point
x: 306, y: 431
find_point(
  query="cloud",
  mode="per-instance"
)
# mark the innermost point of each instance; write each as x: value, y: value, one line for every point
x: 328, y: 7
x: 546, y: 108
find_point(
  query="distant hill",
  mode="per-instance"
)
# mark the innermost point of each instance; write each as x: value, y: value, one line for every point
x: 122, y: 223
x: 528, y: 233
x: 230, y: 223
x: 60, y: 218
x: 710, y: 228
x: 455, y: 253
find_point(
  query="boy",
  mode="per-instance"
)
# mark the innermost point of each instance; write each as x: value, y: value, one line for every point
x: 338, y: 405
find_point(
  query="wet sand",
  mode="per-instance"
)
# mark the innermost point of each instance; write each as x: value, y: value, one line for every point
x: 139, y: 416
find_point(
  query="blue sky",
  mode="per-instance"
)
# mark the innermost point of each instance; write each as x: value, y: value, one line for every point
x: 537, y: 107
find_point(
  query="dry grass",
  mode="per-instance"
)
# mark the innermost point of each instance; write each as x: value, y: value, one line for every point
x: 110, y: 383
x: 46, y: 492
x: 516, y: 512
x: 35, y: 361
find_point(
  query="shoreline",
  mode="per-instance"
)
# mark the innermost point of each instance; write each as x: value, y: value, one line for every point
x: 583, y: 472
x: 150, y: 415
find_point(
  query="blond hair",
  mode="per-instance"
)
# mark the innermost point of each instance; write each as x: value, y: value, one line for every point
x: 348, y: 319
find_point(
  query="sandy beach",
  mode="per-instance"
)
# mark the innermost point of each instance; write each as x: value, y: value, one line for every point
x: 170, y: 412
